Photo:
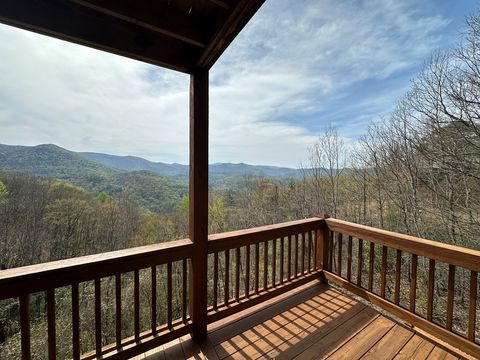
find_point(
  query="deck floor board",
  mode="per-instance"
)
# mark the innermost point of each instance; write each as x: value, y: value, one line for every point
x: 318, y: 322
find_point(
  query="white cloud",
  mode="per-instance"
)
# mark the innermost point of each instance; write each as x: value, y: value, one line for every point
x: 294, y: 60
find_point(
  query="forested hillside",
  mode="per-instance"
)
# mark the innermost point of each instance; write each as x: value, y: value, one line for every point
x: 143, y: 188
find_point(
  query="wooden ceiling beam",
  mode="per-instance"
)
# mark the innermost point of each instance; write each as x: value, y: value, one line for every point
x: 68, y: 21
x: 235, y: 21
x: 222, y: 3
x: 154, y: 15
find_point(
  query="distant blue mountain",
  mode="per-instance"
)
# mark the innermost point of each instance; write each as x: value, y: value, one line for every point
x: 180, y: 172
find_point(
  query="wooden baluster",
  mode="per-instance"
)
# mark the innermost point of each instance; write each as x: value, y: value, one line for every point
x: 349, y: 258
x: 383, y: 277
x: 25, y: 326
x: 360, y: 262
x: 281, y: 259
x: 309, y: 259
x: 450, y: 296
x: 431, y: 282
x: 169, y: 295
x: 303, y: 254
x: 215, y: 281
x: 98, y: 317
x: 247, y: 271
x: 118, y: 310
x: 398, y: 276
x: 339, y: 259
x: 136, y: 304
x: 265, y: 265
x: 413, y: 283
x: 331, y: 250
x: 274, y: 261
x: 296, y: 256
x: 472, y: 312
x: 75, y: 323
x: 237, y: 274
x: 257, y: 266
x: 227, y: 278
x: 371, y: 266
x: 289, y: 258
x: 153, y: 300
x: 184, y: 289
x: 52, y: 337
x: 315, y: 250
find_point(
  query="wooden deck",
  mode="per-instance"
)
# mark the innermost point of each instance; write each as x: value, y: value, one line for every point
x: 318, y: 322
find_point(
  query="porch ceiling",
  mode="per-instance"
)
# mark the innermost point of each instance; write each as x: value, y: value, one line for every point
x: 177, y: 34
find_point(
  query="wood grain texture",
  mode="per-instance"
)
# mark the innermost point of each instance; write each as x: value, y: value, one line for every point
x: 431, y: 287
x: 40, y: 277
x: 413, y: 283
x: 450, y: 254
x: 349, y: 258
x: 383, y: 273
x: 371, y: 266
x: 198, y: 198
x: 153, y: 302
x: 359, y: 262
x: 435, y: 330
x: 98, y: 317
x: 450, y: 296
x: 257, y: 267
x: 75, y: 323
x: 340, y: 249
x: 398, y: 276
x: 51, y: 325
x: 25, y: 327
x: 136, y: 304
x: 247, y: 271
x: 238, y: 238
x: 472, y: 309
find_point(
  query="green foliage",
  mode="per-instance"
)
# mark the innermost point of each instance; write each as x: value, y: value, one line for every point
x: 146, y: 189
x: 3, y: 193
x: 102, y: 197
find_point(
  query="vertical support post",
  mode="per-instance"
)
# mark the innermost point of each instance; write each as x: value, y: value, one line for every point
x: 198, y: 200
x: 323, y: 246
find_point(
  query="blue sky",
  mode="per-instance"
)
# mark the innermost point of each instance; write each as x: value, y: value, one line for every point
x: 298, y: 67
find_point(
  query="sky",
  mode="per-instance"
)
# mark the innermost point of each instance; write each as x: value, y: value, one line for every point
x: 297, y: 68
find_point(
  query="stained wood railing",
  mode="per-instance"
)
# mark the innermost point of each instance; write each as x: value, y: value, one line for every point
x: 402, y: 274
x: 74, y: 273
x: 251, y: 266
x: 383, y: 268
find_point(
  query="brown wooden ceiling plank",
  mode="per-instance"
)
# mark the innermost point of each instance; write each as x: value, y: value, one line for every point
x: 153, y: 15
x: 75, y: 23
x: 231, y: 27
x: 222, y: 3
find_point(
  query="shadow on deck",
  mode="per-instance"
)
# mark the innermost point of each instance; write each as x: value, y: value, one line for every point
x: 317, y: 322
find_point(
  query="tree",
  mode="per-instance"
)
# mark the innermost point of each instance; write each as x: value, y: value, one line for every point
x: 328, y: 160
x: 3, y: 193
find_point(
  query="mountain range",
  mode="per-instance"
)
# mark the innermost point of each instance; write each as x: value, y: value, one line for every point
x: 153, y: 185
x: 180, y: 172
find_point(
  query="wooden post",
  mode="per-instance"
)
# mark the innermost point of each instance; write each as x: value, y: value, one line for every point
x: 198, y: 201
x: 323, y: 246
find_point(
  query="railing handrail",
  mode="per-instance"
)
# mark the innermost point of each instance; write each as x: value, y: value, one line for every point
x: 39, y: 277
x: 234, y: 239
x: 450, y: 254
x: 453, y: 256
x: 308, y: 250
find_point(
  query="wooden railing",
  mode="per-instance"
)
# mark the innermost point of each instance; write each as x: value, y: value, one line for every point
x: 406, y: 276
x: 76, y: 273
x: 267, y: 261
x: 245, y: 268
